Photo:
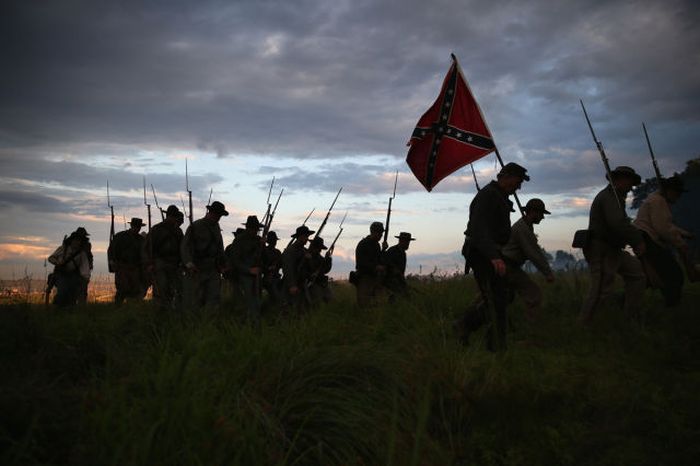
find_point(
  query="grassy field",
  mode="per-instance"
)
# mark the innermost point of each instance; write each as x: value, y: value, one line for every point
x: 100, y: 385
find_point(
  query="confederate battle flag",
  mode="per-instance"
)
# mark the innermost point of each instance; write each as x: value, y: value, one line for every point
x: 451, y: 134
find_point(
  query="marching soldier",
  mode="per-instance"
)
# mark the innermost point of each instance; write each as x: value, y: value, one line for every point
x: 487, y: 232
x: 395, y: 261
x: 609, y: 231
x: 661, y: 236
x: 230, y: 275
x: 202, y: 253
x: 368, y: 266
x: 125, y: 254
x: 272, y: 264
x: 72, y: 268
x: 162, y: 257
x: 316, y: 268
x: 246, y: 255
x: 522, y: 246
x: 292, y: 259
x: 83, y: 293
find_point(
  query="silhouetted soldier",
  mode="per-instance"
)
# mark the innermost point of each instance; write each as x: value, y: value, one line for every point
x: 315, y: 270
x: 661, y: 237
x: 522, y: 246
x: 368, y: 266
x: 202, y: 253
x: 609, y: 231
x: 292, y: 258
x: 127, y: 262
x: 272, y: 264
x: 71, y: 269
x: 230, y: 274
x: 83, y: 292
x: 395, y: 261
x: 487, y: 232
x: 246, y: 257
x: 162, y: 257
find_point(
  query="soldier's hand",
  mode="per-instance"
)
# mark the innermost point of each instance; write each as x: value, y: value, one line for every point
x: 294, y: 290
x: 499, y: 266
x: 550, y: 278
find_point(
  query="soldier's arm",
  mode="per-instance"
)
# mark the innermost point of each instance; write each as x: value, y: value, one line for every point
x: 662, y: 222
x: 57, y: 257
x: 531, y: 249
x: 619, y: 224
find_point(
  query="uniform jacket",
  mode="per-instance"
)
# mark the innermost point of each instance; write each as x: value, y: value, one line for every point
x: 608, y: 221
x: 368, y: 255
x: 272, y: 262
x: 523, y: 246
x: 163, y: 244
x: 489, y: 221
x: 203, y: 244
x: 245, y: 253
x: 126, y: 249
x: 395, y: 261
x: 292, y: 259
x: 654, y: 217
x: 320, y: 265
x: 71, y: 260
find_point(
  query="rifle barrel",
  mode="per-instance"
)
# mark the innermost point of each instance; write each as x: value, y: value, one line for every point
x: 653, y: 158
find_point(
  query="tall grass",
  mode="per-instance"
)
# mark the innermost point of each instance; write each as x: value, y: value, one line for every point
x: 104, y: 385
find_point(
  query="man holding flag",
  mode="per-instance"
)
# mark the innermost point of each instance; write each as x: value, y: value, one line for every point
x: 451, y: 134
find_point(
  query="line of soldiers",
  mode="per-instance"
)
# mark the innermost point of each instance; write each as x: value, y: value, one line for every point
x: 496, y: 251
x: 188, y: 270
x: 377, y: 270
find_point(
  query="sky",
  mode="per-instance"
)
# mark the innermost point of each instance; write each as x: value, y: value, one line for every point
x: 323, y: 95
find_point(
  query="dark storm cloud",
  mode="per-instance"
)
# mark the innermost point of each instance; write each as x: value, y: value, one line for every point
x: 33, y: 168
x: 315, y: 79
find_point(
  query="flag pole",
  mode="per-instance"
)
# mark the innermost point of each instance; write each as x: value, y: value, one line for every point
x: 495, y: 148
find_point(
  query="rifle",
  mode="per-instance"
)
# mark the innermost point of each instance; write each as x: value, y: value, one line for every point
x: 328, y: 214
x: 653, y: 159
x: 145, y: 202
x: 604, y: 157
x: 271, y: 215
x: 187, y: 188
x: 269, y: 206
x: 211, y: 191
x: 111, y: 229
x: 155, y: 198
x: 182, y: 201
x: 305, y: 220
x: 266, y: 229
x: 385, y: 243
x: 312, y: 278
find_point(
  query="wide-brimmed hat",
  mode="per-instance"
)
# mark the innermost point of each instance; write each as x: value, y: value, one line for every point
x: 172, y: 211
x: 217, y: 208
x: 82, y: 232
x: 624, y: 171
x: 238, y: 232
x: 136, y: 222
x: 252, y: 222
x: 536, y: 204
x: 302, y: 231
x: 674, y: 183
x: 271, y: 236
x: 376, y: 227
x: 404, y: 235
x: 513, y: 169
x: 318, y: 242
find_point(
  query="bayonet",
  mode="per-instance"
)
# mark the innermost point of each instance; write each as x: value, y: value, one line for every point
x: 385, y: 243
x: 328, y: 214
x: 308, y: 216
x: 476, y: 182
x: 155, y: 198
x: 653, y: 158
x: 111, y: 211
x: 604, y: 157
x: 211, y: 191
x: 145, y: 202
x: 189, y: 192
